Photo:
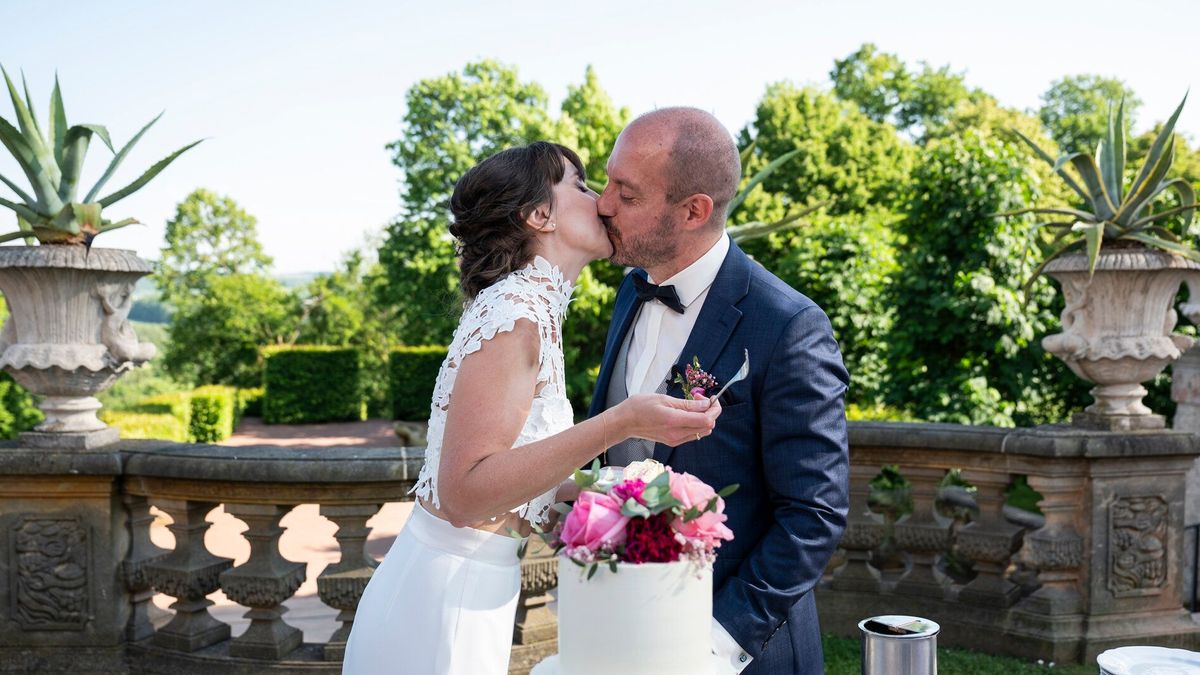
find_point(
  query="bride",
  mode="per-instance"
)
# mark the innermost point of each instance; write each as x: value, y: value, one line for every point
x: 501, y: 433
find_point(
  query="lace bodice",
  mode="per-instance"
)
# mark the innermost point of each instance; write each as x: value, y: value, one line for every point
x: 536, y: 292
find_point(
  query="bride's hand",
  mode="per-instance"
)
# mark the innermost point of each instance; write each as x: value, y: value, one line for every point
x: 664, y: 419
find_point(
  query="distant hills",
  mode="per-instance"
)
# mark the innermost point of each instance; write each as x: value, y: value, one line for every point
x: 148, y: 309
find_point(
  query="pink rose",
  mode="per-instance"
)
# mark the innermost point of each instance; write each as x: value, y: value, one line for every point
x: 709, y: 529
x: 595, y: 521
x: 698, y: 393
x: 629, y: 489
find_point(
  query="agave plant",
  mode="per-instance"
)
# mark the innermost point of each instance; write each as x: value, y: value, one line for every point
x: 754, y: 230
x: 52, y: 162
x: 1116, y: 211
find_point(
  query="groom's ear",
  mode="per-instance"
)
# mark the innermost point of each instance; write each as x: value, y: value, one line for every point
x: 699, y: 209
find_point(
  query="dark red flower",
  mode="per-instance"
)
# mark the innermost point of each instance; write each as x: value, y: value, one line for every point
x: 651, y: 540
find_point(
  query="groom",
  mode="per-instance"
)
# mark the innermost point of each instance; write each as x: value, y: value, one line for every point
x: 782, y: 433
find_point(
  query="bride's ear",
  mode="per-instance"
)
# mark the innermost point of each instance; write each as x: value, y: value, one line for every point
x: 541, y: 218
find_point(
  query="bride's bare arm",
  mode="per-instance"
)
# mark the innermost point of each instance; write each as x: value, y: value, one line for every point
x: 482, y: 475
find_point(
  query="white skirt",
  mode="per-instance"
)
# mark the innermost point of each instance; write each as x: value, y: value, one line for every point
x: 443, y: 602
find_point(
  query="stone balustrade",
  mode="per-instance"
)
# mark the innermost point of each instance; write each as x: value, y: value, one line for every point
x: 91, y: 511
x: 1099, y: 566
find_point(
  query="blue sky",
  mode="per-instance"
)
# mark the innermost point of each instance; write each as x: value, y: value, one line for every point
x: 298, y: 99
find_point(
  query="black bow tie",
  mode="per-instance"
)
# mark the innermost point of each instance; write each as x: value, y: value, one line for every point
x: 647, y: 291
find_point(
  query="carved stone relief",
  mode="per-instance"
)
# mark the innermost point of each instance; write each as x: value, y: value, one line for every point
x: 51, y: 585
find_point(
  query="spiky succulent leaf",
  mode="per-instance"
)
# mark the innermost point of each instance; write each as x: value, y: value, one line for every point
x: 747, y: 231
x: 108, y: 227
x: 747, y: 151
x: 17, y: 189
x: 1146, y: 187
x: 1069, y: 243
x: 1187, y: 201
x: 1165, y: 135
x: 21, y: 210
x: 1097, y: 195
x: 1078, y: 214
x: 760, y: 177
x: 1110, y: 155
x: 1093, y: 236
x: 29, y: 131
x: 1164, y: 245
x: 117, y: 159
x: 1050, y: 160
x: 148, y: 176
x: 74, y: 152
x: 18, y: 147
x: 58, y: 122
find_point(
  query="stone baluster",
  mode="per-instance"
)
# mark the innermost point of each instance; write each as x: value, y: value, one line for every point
x: 1056, y: 550
x: 989, y: 541
x: 864, y: 532
x: 923, y: 535
x: 341, y: 584
x: 188, y: 573
x: 142, y: 552
x: 263, y: 583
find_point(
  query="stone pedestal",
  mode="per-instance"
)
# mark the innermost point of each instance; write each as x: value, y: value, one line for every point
x: 62, y: 541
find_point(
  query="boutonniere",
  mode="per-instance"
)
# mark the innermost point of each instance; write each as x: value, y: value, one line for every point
x: 695, y: 381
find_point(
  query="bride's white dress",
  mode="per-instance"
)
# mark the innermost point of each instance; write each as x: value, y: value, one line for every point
x: 444, y: 599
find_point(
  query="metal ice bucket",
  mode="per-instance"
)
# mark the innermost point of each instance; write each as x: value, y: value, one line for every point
x: 899, y: 645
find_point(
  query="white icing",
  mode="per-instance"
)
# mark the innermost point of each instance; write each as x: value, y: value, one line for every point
x: 647, y: 618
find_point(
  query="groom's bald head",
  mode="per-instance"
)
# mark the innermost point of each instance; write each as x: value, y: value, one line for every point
x: 702, y: 158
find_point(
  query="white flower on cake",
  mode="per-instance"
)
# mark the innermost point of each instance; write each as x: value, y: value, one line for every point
x: 646, y: 469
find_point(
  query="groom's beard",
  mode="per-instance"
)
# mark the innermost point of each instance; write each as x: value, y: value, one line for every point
x: 646, y: 249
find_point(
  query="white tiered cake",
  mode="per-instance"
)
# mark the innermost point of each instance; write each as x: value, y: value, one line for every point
x: 646, y: 618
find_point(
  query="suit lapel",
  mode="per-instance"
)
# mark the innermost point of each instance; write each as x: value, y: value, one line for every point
x: 715, y: 324
x: 624, y: 311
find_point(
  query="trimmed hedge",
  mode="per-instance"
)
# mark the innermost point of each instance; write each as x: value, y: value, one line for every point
x: 308, y: 384
x: 178, y: 404
x: 146, y: 425
x: 250, y: 402
x: 213, y: 413
x: 412, y: 373
x: 204, y: 415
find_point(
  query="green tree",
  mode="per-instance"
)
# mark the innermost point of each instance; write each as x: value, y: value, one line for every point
x: 215, y: 338
x: 846, y: 264
x: 844, y: 155
x: 597, y: 122
x: 209, y: 235
x: 451, y: 122
x: 965, y: 348
x: 339, y: 309
x: 1075, y: 110
x: 886, y: 90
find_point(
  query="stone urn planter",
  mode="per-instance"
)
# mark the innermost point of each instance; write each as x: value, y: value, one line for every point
x: 1116, y: 329
x: 67, y: 337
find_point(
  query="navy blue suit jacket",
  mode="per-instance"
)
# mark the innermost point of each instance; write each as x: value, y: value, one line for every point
x: 782, y: 437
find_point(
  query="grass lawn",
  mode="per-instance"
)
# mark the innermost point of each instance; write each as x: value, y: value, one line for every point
x: 843, y: 656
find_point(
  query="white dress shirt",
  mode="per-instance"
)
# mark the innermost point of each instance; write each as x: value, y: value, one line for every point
x: 659, y: 335
x: 659, y: 332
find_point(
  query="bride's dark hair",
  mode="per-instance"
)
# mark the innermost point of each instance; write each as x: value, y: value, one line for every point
x: 491, y: 203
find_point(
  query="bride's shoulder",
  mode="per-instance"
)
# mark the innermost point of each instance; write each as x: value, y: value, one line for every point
x: 538, y: 290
